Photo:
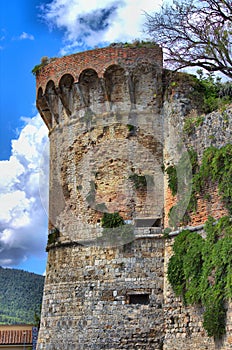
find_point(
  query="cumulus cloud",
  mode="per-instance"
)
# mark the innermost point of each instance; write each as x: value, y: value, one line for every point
x: 88, y: 23
x: 26, y: 36
x: 23, y: 219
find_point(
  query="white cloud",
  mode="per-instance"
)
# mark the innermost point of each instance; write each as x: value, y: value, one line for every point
x: 90, y: 23
x: 23, y: 220
x: 26, y: 36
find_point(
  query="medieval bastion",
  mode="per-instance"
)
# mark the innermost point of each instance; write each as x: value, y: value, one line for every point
x: 114, y: 116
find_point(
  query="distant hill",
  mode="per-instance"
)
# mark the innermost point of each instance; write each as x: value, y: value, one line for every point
x: 20, y: 296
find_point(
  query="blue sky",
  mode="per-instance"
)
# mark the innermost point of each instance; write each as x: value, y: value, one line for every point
x: 29, y: 30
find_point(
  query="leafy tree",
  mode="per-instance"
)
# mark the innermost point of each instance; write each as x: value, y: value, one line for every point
x: 195, y: 33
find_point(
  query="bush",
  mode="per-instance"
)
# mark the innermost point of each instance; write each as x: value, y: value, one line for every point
x: 110, y: 220
x: 216, y: 93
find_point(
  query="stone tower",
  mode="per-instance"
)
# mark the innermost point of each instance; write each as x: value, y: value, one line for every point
x: 115, y: 120
x: 104, y: 288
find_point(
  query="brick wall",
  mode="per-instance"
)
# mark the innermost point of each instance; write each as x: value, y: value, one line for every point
x: 97, y: 59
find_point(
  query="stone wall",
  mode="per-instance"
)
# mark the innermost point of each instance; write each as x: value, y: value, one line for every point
x: 102, y: 109
x: 182, y: 102
x: 112, y: 114
x: 104, y: 298
x: 184, y: 324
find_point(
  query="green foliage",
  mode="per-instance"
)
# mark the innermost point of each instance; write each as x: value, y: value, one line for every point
x: 172, y: 179
x: 216, y: 94
x: 187, y: 164
x: 136, y: 43
x: 111, y: 220
x: 115, y: 231
x: 20, y: 297
x: 53, y: 235
x: 131, y: 128
x: 214, y: 317
x: 191, y: 123
x: 215, y: 168
x: 43, y: 62
x: 37, y: 68
x: 166, y: 232
x: 139, y: 181
x: 200, y: 271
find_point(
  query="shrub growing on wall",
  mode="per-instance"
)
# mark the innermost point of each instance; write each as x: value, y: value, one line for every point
x: 200, y: 271
x: 110, y: 220
x: 215, y: 168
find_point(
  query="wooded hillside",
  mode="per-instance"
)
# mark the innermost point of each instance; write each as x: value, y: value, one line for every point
x: 20, y: 296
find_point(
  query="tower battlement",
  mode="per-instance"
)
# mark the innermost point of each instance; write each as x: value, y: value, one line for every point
x: 98, y: 60
x: 94, y: 78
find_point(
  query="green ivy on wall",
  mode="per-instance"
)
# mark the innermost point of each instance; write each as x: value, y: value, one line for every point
x: 172, y: 178
x: 200, y: 271
x: 215, y: 169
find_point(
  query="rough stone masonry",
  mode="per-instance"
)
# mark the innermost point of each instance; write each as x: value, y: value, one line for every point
x: 111, y: 120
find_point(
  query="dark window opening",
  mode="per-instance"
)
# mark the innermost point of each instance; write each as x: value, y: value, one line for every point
x: 148, y: 222
x: 138, y: 299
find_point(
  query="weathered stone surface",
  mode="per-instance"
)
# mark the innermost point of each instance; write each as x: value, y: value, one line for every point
x: 89, y: 305
x: 113, y: 113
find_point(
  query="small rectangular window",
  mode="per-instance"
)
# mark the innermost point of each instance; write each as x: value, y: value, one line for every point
x: 147, y: 222
x: 142, y: 299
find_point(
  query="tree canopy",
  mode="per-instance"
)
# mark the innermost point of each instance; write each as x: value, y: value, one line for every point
x: 21, y: 296
x: 194, y: 33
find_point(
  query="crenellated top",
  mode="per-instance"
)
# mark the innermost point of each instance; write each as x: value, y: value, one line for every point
x: 98, y: 60
x: 97, y: 81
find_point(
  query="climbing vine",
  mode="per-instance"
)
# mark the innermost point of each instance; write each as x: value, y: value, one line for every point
x: 191, y: 123
x: 215, y: 169
x: 172, y: 178
x: 200, y: 271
